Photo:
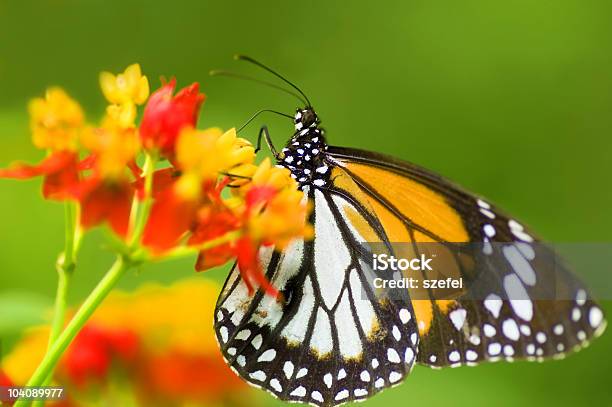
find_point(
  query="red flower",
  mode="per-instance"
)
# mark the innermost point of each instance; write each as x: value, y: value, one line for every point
x: 181, y: 376
x: 60, y: 171
x: 162, y: 180
x: 166, y: 115
x: 105, y: 200
x: 248, y: 262
x: 94, y: 349
x: 5, y: 381
x: 213, y: 222
x: 171, y: 217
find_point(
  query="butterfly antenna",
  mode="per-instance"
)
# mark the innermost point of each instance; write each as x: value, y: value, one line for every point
x: 260, y: 112
x: 248, y: 78
x: 273, y: 72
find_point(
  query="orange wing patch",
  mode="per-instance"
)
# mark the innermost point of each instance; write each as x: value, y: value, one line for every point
x: 423, y: 207
x: 415, y: 201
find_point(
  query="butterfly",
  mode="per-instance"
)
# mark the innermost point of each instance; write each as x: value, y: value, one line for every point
x: 334, y: 339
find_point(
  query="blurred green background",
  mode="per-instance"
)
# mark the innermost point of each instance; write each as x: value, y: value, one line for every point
x: 511, y: 99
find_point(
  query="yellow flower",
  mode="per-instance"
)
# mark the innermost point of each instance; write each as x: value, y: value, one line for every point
x: 114, y: 149
x: 122, y: 116
x: 55, y: 120
x: 275, y: 177
x: 283, y: 219
x: 277, y: 211
x: 129, y: 87
x: 205, y: 154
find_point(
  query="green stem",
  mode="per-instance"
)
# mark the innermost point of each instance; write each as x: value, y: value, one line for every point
x: 141, y: 208
x: 86, y: 310
x: 65, y: 267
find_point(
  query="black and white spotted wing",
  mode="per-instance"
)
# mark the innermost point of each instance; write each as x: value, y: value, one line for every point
x: 331, y: 341
x: 521, y: 301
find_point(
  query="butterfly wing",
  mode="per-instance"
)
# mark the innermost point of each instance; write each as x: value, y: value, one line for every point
x: 332, y: 340
x: 521, y: 302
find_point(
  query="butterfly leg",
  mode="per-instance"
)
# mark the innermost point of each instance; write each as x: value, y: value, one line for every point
x: 263, y: 132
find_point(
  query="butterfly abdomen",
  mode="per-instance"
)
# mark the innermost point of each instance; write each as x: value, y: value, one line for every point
x: 304, y: 153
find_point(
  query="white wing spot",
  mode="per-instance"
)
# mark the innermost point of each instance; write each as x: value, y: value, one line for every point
x: 408, y: 355
x: 219, y: 316
x: 342, y: 395
x: 375, y: 363
x: 526, y: 250
x: 231, y: 351
x: 494, y: 349
x: 288, y: 369
x: 404, y: 315
x: 393, y: 356
x: 508, y: 350
x: 520, y: 265
x: 458, y: 318
x: 224, y: 333
x: 471, y: 355
x: 454, y: 356
x: 241, y: 360
x: 525, y: 330
x: 327, y: 379
x: 258, y: 375
x: 243, y: 335
x: 530, y: 349
x: 380, y: 382
x: 413, y: 338
x: 341, y: 374
x: 394, y: 377
x: 522, y: 306
x: 317, y: 396
x: 489, y: 330
x: 487, y: 213
x: 257, y: 341
x: 581, y: 335
x: 558, y: 329
x: 267, y: 356
x: 299, y: 392
x: 301, y: 373
x: 541, y: 337
x: 360, y: 392
x: 576, y: 314
x: 489, y: 230
x: 595, y: 317
x: 510, y: 329
x: 483, y: 204
x: 396, y: 333
x: 365, y: 376
x: 581, y: 297
x: 493, y: 303
x: 276, y: 385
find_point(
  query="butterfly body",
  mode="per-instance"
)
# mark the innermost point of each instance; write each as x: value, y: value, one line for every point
x: 304, y: 154
x: 335, y: 339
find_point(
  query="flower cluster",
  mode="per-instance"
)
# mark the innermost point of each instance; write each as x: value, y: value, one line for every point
x: 199, y: 189
x: 133, y: 356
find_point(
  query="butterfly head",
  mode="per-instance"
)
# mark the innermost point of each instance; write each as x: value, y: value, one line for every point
x: 305, y: 118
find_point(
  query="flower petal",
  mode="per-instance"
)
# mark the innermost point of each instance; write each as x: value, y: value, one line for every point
x: 105, y: 202
x: 165, y: 116
x: 60, y: 170
x: 171, y: 217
